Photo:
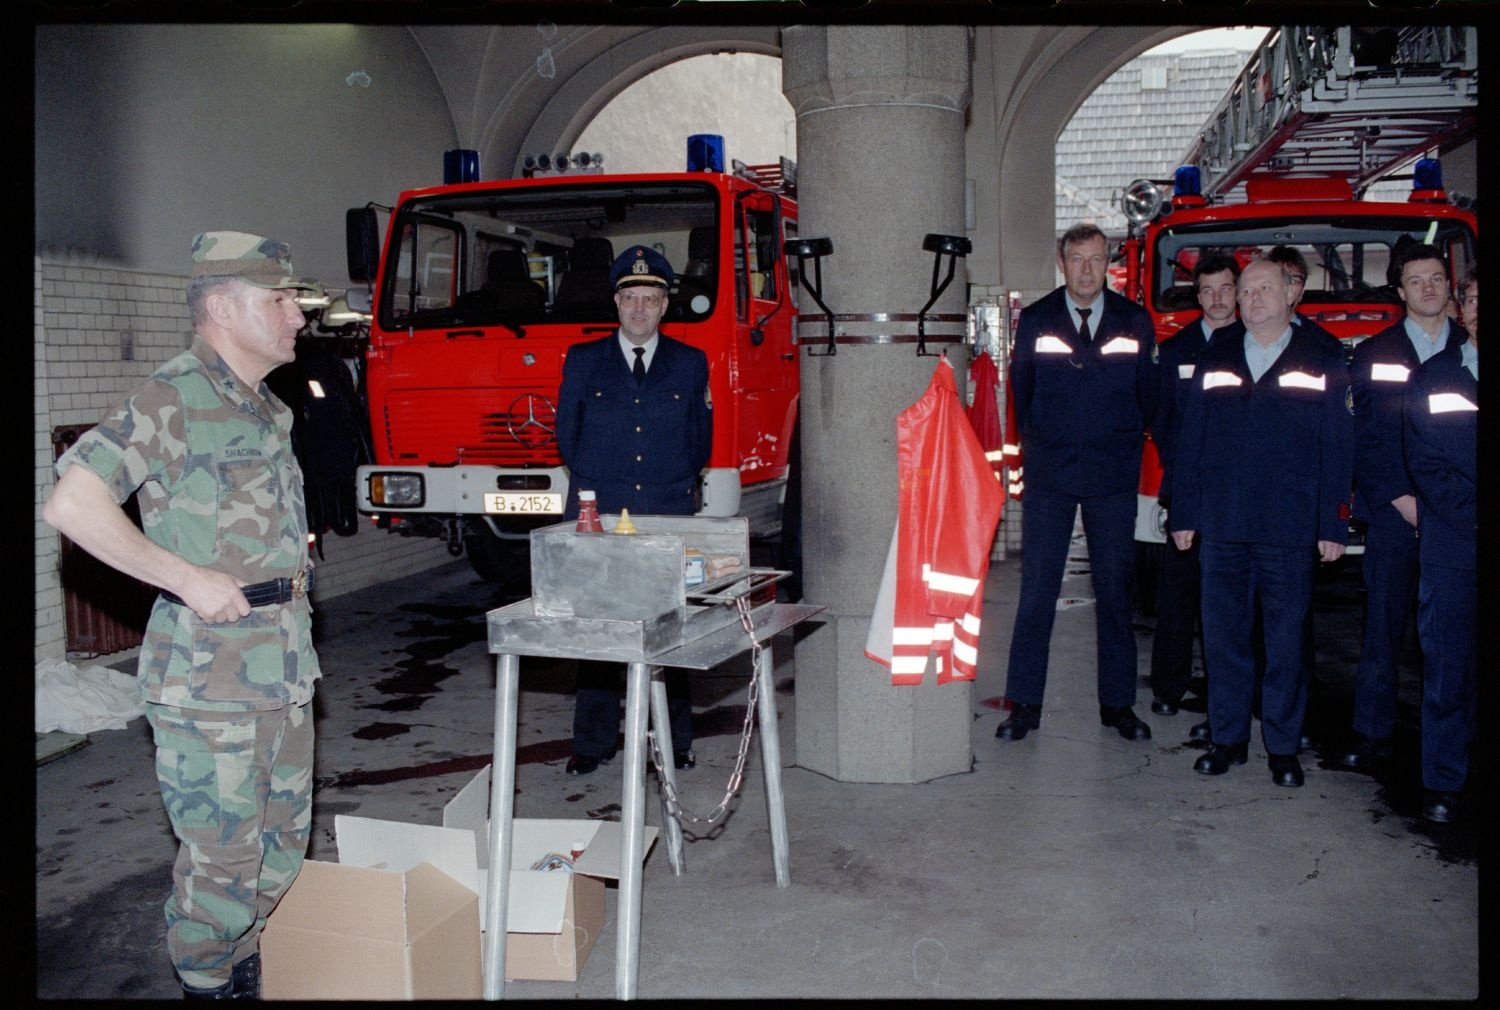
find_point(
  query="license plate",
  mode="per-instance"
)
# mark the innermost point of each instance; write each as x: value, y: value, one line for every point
x: 516, y: 503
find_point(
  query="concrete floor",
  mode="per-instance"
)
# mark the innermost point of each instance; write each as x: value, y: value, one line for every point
x: 1072, y: 864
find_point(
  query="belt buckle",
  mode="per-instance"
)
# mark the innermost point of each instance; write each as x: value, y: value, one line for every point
x: 299, y: 584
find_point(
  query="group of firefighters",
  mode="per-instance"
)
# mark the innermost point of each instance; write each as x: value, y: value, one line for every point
x: 1264, y: 424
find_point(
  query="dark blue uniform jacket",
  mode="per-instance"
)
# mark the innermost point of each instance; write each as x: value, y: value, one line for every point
x: 1175, y: 358
x: 1264, y: 462
x: 1083, y: 414
x: 1381, y: 370
x: 638, y: 446
x: 1442, y: 456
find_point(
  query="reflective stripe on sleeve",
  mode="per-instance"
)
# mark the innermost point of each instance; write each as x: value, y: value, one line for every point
x: 945, y: 583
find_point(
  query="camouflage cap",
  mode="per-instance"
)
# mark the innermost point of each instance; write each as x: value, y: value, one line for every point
x: 263, y: 262
x: 640, y: 265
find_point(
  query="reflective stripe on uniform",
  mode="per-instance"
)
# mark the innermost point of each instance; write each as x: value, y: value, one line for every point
x: 1302, y: 380
x: 1449, y: 403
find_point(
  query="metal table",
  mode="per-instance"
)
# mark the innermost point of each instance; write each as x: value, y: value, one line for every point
x: 642, y: 678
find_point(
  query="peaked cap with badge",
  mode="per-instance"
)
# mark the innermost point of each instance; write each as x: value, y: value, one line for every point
x: 640, y: 266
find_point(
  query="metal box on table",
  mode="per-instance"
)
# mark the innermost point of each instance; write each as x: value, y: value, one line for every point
x: 620, y: 597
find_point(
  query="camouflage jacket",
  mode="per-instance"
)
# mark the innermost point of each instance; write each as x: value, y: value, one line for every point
x: 212, y: 466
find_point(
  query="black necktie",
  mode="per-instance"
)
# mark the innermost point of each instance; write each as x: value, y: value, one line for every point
x: 640, y: 365
x: 1083, y: 328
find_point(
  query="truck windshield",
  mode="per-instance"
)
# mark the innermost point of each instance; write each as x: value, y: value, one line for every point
x: 527, y: 253
x: 1347, y: 256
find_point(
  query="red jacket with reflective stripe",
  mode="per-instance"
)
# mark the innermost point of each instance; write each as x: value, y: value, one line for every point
x: 949, y: 503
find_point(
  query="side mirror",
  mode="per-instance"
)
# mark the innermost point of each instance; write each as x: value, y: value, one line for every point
x: 362, y: 243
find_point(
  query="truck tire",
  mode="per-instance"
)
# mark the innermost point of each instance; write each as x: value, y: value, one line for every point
x: 506, y: 563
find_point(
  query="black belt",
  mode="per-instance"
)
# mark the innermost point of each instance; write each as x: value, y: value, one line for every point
x: 268, y: 593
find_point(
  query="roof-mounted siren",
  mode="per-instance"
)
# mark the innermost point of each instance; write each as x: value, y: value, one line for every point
x: 1427, y: 182
x: 705, y: 153
x: 1187, y: 187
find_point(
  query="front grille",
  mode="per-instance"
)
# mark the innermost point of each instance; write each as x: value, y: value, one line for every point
x: 499, y: 427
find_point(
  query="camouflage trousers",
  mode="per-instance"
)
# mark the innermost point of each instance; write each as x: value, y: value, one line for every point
x: 238, y: 791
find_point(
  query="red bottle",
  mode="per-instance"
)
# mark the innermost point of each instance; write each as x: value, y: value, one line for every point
x: 588, y: 514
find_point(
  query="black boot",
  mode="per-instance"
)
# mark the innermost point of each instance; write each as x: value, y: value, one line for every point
x: 225, y: 991
x: 246, y: 978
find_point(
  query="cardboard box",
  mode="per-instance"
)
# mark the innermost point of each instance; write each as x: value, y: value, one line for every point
x: 552, y: 917
x: 350, y: 932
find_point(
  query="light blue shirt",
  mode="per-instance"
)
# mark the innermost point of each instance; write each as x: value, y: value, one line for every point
x: 1260, y: 358
x: 1468, y: 353
x: 1096, y: 309
x: 628, y: 349
x: 1425, y: 346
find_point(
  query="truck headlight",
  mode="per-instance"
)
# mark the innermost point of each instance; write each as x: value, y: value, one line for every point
x: 397, y: 490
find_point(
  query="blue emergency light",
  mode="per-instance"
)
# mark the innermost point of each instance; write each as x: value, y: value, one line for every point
x: 460, y: 165
x: 1187, y: 181
x: 705, y: 152
x: 1427, y: 174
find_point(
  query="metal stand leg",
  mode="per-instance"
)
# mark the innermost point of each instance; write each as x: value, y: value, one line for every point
x: 633, y: 819
x: 502, y: 808
x: 770, y: 759
x: 661, y: 725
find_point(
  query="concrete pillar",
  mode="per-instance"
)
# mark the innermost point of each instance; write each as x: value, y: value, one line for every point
x: 880, y: 143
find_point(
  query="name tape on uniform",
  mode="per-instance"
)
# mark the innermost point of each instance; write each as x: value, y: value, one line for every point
x: 1185, y: 371
x: 1052, y: 345
x: 1385, y: 372
x: 1213, y: 380
x: 1121, y: 345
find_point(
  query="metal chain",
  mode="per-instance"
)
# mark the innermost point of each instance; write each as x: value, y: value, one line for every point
x: 673, y: 804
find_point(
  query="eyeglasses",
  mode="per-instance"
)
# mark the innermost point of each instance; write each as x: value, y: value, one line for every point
x: 648, y: 299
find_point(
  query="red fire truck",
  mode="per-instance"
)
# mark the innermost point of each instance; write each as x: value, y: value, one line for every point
x: 1317, y: 116
x: 483, y: 286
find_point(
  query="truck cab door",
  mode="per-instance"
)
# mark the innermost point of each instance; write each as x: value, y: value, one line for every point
x: 763, y: 356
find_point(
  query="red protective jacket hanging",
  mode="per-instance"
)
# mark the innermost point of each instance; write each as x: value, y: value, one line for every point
x: 1010, y: 448
x: 984, y: 412
x: 931, y: 597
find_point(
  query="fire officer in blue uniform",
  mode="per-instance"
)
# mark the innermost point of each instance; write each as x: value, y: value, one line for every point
x: 1263, y: 463
x: 1178, y: 585
x: 1441, y: 443
x: 1296, y: 269
x: 634, y: 425
x: 1384, y: 496
x: 1084, y: 379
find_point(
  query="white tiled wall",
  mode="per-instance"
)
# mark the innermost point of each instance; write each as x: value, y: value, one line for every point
x: 81, y: 310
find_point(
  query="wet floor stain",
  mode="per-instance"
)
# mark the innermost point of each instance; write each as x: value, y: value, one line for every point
x: 718, y: 721
x: 438, y: 631
x: 380, y: 731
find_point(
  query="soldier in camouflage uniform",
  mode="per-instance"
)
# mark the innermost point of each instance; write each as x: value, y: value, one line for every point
x: 227, y: 666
